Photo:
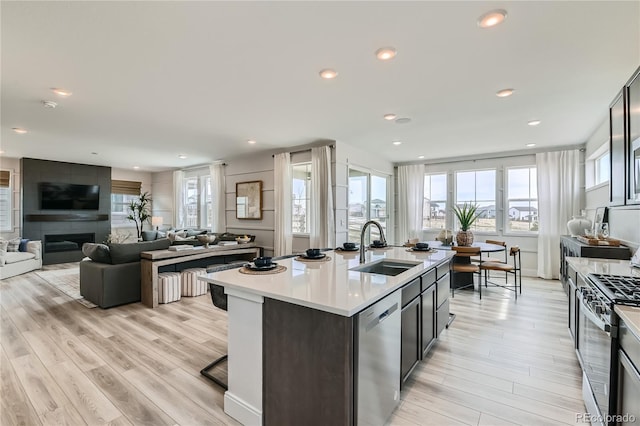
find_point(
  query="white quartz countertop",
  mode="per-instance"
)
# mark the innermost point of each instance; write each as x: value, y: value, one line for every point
x: 331, y: 286
x: 588, y: 265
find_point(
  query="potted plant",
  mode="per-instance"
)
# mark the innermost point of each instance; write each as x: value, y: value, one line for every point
x: 466, y: 216
x: 139, y: 212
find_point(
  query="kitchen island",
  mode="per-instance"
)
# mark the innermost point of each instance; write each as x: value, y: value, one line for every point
x: 293, y: 337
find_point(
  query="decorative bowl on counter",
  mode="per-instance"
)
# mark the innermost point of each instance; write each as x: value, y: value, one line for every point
x: 243, y: 240
x: 206, y: 239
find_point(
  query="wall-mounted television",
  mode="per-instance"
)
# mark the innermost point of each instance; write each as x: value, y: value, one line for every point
x: 69, y: 196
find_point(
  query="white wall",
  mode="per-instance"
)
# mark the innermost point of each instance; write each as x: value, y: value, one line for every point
x: 13, y: 166
x: 162, y: 195
x: 624, y: 222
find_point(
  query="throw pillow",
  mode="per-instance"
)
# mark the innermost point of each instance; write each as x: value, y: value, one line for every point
x: 161, y: 234
x: 3, y: 251
x: 149, y: 235
x: 13, y: 244
x: 97, y: 252
x: 194, y: 232
x: 23, y: 244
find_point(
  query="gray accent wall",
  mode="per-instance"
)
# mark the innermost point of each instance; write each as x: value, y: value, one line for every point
x: 35, y: 171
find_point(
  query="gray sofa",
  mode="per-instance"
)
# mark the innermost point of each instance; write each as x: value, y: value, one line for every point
x: 110, y: 276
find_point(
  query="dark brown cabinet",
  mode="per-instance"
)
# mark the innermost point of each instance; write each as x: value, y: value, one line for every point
x: 428, y: 318
x: 617, y: 149
x: 571, y: 247
x: 633, y: 151
x: 628, y: 404
x: 410, y: 352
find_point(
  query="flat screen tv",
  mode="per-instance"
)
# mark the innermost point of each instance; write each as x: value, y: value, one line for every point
x: 69, y: 196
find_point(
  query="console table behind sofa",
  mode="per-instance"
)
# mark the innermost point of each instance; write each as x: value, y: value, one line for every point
x: 152, y: 262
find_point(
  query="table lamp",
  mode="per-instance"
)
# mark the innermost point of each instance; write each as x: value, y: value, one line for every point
x: 156, y: 221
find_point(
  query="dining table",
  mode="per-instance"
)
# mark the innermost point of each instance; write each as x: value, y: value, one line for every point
x: 465, y: 279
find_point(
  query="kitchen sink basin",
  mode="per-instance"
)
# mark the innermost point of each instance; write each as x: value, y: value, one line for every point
x: 386, y: 267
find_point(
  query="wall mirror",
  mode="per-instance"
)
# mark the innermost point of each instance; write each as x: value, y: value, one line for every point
x: 249, y: 200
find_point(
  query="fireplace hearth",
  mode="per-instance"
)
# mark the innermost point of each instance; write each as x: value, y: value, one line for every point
x: 67, y: 242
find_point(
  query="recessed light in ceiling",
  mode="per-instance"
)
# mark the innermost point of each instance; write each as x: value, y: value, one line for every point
x: 61, y: 92
x: 492, y: 18
x: 94, y: 153
x: 397, y: 143
x: 386, y: 53
x: 504, y: 93
x: 1, y: 152
x: 390, y: 117
x: 328, y: 73
x: 420, y: 157
x: 403, y: 120
x: 49, y: 104
x: 19, y: 130
x: 182, y: 156
x: 136, y: 167
x: 530, y: 145
x: 534, y: 122
x: 251, y: 142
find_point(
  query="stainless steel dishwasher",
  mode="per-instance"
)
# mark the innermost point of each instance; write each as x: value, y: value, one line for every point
x: 379, y: 341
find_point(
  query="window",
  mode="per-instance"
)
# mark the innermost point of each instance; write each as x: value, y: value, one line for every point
x: 522, y: 200
x: 301, y: 198
x: 479, y: 187
x: 435, y: 201
x: 603, y: 169
x: 197, y: 201
x: 367, y: 201
x: 5, y: 200
x: 123, y: 192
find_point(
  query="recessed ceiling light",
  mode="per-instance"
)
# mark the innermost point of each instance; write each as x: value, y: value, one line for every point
x: 251, y: 142
x: 386, y: 53
x: 19, y: 130
x: 182, y: 156
x: 328, y: 73
x: 61, y: 92
x: 136, y: 167
x: 403, y: 120
x: 492, y: 18
x: 530, y: 145
x: 49, y: 104
x: 1, y: 152
x: 390, y: 117
x: 397, y: 142
x: 534, y: 122
x: 420, y: 157
x: 94, y: 153
x: 504, y: 93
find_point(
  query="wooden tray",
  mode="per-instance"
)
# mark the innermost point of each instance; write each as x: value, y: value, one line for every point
x: 592, y: 241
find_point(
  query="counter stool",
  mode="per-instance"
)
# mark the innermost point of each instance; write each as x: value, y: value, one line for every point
x: 169, y: 289
x: 191, y: 286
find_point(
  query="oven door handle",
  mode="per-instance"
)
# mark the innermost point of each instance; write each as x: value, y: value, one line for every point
x: 592, y: 317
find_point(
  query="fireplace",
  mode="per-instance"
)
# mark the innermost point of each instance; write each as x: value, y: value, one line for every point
x: 67, y: 242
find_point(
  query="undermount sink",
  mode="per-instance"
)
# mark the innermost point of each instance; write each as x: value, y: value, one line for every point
x: 386, y: 267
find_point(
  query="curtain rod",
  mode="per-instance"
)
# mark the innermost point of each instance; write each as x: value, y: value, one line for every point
x: 302, y: 150
x: 201, y: 166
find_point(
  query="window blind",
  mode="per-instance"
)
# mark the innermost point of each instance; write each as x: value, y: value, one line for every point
x: 127, y: 187
x: 4, y: 178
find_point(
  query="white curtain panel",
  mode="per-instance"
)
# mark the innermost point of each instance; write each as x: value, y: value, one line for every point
x: 322, y: 223
x: 559, y: 198
x: 283, y: 239
x: 178, y: 201
x: 410, y: 201
x: 218, y: 198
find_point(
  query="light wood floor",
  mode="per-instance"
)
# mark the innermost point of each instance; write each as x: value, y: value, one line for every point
x: 500, y: 362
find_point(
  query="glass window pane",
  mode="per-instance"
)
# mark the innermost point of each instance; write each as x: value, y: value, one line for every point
x: 478, y: 187
x: 522, y: 200
x: 358, y: 203
x: 301, y: 197
x: 435, y: 201
x: 378, y: 205
x: 602, y: 169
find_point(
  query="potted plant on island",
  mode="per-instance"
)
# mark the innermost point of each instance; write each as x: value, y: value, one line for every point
x: 467, y: 215
x: 139, y: 212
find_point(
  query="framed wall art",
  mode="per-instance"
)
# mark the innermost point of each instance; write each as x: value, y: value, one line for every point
x: 249, y: 200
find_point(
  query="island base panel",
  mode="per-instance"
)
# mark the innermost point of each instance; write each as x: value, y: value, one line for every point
x: 308, y: 358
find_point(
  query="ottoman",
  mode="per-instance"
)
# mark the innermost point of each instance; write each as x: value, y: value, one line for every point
x: 190, y: 284
x: 169, y: 289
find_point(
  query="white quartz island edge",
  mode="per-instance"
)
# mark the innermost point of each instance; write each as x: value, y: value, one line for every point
x: 328, y: 286
x: 331, y: 286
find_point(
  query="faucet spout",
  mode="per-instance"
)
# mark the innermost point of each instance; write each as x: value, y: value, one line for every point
x: 364, y: 229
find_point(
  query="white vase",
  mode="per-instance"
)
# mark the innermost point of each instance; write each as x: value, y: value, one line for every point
x: 577, y: 225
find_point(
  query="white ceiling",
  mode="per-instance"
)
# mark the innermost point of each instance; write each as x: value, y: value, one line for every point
x: 152, y: 80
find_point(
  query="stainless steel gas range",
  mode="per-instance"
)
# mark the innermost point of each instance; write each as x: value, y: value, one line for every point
x: 597, y: 340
